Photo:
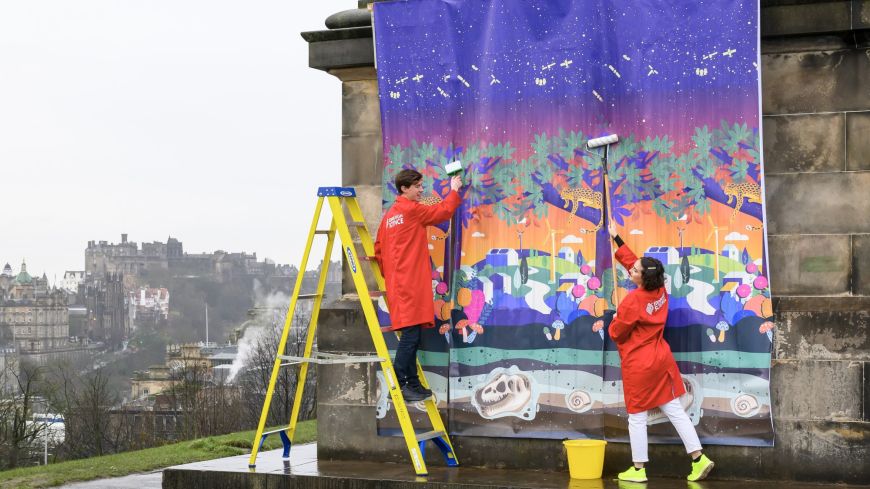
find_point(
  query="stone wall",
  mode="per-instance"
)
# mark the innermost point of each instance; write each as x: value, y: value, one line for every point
x: 816, y: 136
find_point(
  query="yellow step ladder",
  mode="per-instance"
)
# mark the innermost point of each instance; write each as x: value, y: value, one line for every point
x: 339, y: 199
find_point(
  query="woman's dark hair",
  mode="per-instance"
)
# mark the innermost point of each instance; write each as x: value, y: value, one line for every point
x: 653, y: 275
x: 407, y: 178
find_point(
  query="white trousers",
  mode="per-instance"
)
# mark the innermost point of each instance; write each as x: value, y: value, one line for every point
x: 675, y: 412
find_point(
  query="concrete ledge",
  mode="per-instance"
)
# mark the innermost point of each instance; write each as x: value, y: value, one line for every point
x: 806, y: 18
x: 355, y: 50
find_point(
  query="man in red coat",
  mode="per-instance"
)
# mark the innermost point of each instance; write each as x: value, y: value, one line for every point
x: 650, y: 377
x: 402, y: 251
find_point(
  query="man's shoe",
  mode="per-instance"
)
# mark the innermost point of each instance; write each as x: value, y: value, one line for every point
x: 422, y: 390
x: 411, y: 394
x: 701, y: 468
x: 633, y: 474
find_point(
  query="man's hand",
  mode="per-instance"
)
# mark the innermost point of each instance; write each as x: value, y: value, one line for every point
x: 611, y: 228
x: 456, y: 183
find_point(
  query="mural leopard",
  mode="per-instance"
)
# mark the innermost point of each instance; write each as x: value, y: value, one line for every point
x: 574, y: 196
x: 749, y: 190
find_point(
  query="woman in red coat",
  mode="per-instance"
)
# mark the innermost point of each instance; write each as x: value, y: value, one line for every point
x: 650, y: 377
x: 402, y: 252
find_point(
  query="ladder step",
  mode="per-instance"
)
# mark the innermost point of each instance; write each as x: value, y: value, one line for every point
x: 430, y: 435
x: 376, y: 294
x: 309, y: 296
x: 323, y: 231
x: 274, y: 431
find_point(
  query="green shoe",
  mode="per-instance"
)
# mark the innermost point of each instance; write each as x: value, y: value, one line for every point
x: 633, y: 475
x: 701, y: 468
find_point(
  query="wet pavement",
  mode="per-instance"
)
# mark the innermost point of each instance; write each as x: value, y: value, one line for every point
x: 151, y: 480
x: 303, y: 470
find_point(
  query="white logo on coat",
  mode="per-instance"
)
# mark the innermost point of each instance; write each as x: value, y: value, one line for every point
x: 652, y: 307
x: 395, y: 220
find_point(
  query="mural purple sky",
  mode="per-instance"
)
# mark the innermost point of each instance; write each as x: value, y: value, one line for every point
x: 538, y: 79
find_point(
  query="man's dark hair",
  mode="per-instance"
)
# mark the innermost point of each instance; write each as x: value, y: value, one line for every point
x: 407, y: 178
x: 653, y: 275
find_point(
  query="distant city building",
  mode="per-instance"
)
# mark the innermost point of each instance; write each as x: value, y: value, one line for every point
x: 107, y: 306
x: 210, y: 361
x: 132, y: 260
x: 149, y: 305
x: 35, y: 314
x: 72, y: 280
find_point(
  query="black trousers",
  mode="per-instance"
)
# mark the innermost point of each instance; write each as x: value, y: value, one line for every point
x: 406, y: 355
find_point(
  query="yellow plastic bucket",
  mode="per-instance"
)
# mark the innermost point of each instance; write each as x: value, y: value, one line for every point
x: 585, y: 458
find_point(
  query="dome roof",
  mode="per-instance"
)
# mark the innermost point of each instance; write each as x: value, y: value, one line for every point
x: 24, y: 277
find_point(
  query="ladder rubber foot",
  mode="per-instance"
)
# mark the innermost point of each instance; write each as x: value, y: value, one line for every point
x: 252, y: 466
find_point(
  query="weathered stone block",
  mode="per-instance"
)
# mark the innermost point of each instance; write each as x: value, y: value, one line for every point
x: 818, y: 203
x: 860, y: 14
x: 523, y: 454
x: 362, y: 159
x: 350, y: 433
x: 806, y: 18
x: 867, y: 391
x: 342, y: 328
x: 803, y: 143
x: 360, y: 109
x: 825, y: 81
x: 809, y: 265
x: 858, y: 141
x: 348, y: 383
x: 861, y: 264
x: 822, y: 328
x: 801, y: 445
x: 829, y: 390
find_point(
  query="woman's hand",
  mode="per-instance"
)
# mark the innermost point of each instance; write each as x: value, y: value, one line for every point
x: 611, y: 228
x: 456, y: 183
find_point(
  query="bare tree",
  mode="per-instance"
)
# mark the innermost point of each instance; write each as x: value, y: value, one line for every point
x: 258, y: 370
x: 18, y: 437
x: 86, y: 401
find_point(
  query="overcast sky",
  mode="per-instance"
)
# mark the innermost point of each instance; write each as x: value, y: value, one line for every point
x: 191, y: 118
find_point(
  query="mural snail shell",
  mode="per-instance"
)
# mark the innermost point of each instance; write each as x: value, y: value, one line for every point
x: 578, y: 401
x: 745, y: 405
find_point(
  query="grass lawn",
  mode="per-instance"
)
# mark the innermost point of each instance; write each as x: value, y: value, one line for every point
x: 146, y: 460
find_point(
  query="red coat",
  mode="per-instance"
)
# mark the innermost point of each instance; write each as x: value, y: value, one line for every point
x: 650, y: 376
x: 402, y: 251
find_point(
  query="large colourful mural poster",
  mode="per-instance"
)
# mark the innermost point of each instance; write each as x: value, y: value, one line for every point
x: 514, y: 89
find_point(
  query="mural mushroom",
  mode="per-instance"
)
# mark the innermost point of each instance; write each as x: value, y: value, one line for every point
x: 558, y: 325
x: 722, y: 326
